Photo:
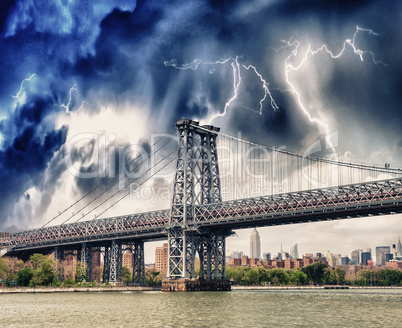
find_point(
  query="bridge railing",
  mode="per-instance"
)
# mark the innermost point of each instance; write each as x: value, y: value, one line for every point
x: 369, y: 193
x: 362, y: 194
x: 93, y: 227
x: 4, y: 241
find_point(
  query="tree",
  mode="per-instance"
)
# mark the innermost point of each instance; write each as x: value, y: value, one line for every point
x: 3, y: 268
x: 14, y: 265
x: 126, y: 275
x: 340, y: 276
x: 363, y: 278
x: 37, y: 259
x: 329, y: 276
x: 315, y: 272
x: 263, y: 276
x: 251, y: 277
x: 81, y: 272
x: 45, y: 274
x: 155, y: 278
x: 279, y: 276
x: 236, y: 274
x: 24, y: 276
x: 297, y: 277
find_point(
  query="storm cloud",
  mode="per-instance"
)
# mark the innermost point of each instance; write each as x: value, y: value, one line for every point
x: 154, y: 62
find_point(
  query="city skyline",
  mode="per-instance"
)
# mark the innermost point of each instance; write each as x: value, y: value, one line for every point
x: 288, y: 250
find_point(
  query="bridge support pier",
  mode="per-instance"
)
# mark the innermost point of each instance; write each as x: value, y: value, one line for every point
x: 113, y: 264
x: 196, y: 182
x: 85, y: 257
x: 59, y: 256
x: 211, y: 250
x: 137, y: 249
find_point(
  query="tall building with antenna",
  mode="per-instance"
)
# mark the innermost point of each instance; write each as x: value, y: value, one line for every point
x: 399, y: 248
x: 255, y: 244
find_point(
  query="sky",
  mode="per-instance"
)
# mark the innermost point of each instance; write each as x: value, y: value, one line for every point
x: 83, y: 82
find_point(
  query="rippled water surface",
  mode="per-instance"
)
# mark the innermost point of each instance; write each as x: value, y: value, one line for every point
x: 318, y: 308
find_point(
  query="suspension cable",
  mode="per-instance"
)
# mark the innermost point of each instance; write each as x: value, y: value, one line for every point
x: 111, y: 186
x: 322, y: 160
x: 100, y: 185
x: 174, y: 151
x: 136, y: 187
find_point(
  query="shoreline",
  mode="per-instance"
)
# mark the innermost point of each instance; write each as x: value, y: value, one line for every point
x: 44, y: 290
x: 325, y: 287
x: 31, y: 290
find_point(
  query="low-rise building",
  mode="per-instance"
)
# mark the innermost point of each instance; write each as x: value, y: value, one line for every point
x: 394, y: 265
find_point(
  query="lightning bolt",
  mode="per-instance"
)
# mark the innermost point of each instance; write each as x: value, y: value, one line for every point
x: 236, y: 66
x: 67, y: 107
x: 265, y: 85
x: 291, y: 68
x: 234, y: 62
x: 288, y: 69
x: 236, y: 83
x: 17, y: 96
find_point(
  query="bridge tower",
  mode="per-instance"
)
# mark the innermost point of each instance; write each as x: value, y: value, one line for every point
x: 196, y: 182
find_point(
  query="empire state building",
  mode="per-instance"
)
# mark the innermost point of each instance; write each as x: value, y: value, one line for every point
x: 255, y: 244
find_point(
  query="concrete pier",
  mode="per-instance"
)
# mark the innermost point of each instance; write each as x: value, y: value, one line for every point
x: 187, y: 285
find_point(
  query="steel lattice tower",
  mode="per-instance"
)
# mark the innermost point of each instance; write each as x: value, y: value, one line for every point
x: 196, y: 182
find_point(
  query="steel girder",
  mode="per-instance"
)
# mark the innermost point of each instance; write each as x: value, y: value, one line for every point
x: 176, y: 256
x: 183, y: 184
x: 350, y: 197
x: 137, y: 249
x: 86, y: 259
x: 59, y: 256
x: 196, y: 182
x: 106, y: 264
x: 190, y: 253
x: 115, y: 262
x: 210, y: 181
x: 59, y: 253
x: 80, y: 230
x: 211, y: 250
x: 379, y: 197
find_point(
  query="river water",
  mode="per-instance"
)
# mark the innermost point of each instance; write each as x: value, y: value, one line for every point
x: 287, y: 308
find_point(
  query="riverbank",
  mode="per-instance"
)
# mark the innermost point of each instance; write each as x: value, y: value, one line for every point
x: 311, y: 287
x: 30, y: 290
x: 77, y: 289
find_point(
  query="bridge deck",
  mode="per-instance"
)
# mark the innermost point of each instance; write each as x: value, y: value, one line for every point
x: 364, y: 199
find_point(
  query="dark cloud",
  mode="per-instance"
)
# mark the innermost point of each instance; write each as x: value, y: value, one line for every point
x: 5, y: 7
x: 116, y: 53
x: 27, y: 151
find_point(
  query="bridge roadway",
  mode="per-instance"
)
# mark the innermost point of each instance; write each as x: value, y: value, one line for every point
x: 350, y: 201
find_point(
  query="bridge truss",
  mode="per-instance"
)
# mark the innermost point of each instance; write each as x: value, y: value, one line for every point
x: 198, y: 220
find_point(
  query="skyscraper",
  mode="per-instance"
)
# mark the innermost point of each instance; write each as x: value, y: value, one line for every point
x: 380, y: 252
x: 399, y: 248
x: 355, y: 257
x: 237, y: 255
x: 294, y: 252
x: 255, y: 244
x: 365, y: 257
x: 266, y: 256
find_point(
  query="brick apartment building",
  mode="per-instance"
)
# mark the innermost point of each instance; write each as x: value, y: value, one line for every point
x: 161, y: 259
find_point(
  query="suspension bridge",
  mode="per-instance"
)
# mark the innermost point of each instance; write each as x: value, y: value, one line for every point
x: 219, y: 183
